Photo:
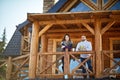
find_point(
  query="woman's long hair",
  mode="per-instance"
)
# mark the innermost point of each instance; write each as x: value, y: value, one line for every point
x: 65, y: 36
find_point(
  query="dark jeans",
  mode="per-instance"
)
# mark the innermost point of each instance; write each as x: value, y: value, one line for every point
x: 63, y: 64
x: 88, y: 63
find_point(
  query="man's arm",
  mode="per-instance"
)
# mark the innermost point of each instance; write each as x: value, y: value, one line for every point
x: 89, y: 46
x: 77, y: 48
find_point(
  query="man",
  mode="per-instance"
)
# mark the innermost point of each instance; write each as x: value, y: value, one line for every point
x: 84, y: 45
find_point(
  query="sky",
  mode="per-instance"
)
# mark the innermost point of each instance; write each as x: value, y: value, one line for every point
x: 14, y: 12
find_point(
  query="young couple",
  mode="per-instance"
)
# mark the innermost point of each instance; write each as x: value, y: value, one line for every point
x: 83, y: 45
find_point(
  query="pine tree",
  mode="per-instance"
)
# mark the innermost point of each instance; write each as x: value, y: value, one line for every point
x: 3, y: 41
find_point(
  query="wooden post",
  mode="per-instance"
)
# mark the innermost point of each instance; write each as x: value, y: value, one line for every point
x: 43, y: 49
x: 34, y: 50
x: 9, y: 68
x: 66, y: 62
x: 54, y: 56
x: 98, y: 47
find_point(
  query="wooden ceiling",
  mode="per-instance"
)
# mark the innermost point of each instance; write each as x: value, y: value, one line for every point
x: 76, y: 21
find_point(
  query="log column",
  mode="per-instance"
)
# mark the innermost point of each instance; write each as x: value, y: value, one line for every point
x: 66, y: 62
x: 34, y: 50
x: 98, y: 48
x: 9, y: 68
x: 43, y: 49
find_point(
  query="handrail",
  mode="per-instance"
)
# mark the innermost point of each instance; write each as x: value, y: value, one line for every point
x: 57, y: 53
x: 20, y: 57
x: 111, y: 51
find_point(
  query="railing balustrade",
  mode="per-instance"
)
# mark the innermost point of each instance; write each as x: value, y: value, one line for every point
x: 49, y: 64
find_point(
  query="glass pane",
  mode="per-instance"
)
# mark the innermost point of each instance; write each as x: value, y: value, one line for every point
x: 115, y: 6
x: 95, y: 1
x: 80, y: 7
x: 105, y: 1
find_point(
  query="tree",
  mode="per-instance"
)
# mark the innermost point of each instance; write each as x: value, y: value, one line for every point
x: 3, y: 41
x: 2, y: 47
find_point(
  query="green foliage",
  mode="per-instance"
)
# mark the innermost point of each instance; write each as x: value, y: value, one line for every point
x: 2, y: 47
x: 2, y: 72
x: 3, y: 41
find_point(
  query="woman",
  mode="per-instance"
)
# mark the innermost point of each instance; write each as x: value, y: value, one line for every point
x: 66, y: 44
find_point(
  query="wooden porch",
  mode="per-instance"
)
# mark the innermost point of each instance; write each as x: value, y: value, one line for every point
x: 51, y: 26
x: 40, y: 57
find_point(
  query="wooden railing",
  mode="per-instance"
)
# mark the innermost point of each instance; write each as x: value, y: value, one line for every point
x: 48, y: 65
x: 112, y: 70
x: 43, y: 72
x: 15, y: 67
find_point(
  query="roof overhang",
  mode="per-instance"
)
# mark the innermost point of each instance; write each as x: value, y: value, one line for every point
x: 73, y: 17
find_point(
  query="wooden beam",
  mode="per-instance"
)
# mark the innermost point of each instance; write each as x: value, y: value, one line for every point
x: 34, y: 50
x: 79, y: 26
x: 66, y: 21
x: 90, y: 4
x: 45, y: 29
x: 107, y: 27
x: 66, y: 30
x: 76, y: 21
x: 20, y: 57
x: 99, y: 2
x: 69, y: 6
x: 98, y: 48
x: 63, y: 26
x: 115, y: 17
x: 88, y: 27
x: 109, y: 4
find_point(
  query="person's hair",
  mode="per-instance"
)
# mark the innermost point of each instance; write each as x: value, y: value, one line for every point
x: 65, y: 36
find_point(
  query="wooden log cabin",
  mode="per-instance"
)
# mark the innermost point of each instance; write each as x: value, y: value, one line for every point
x: 39, y: 53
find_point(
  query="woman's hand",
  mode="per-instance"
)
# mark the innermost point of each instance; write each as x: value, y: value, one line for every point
x: 62, y: 47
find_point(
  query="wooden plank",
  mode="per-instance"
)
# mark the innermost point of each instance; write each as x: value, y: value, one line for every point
x: 107, y: 27
x: 88, y: 27
x: 98, y: 47
x: 66, y: 21
x: 76, y: 21
x: 115, y: 16
x: 66, y: 30
x: 34, y: 50
x: 20, y: 57
x: 61, y: 53
x: 45, y: 29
